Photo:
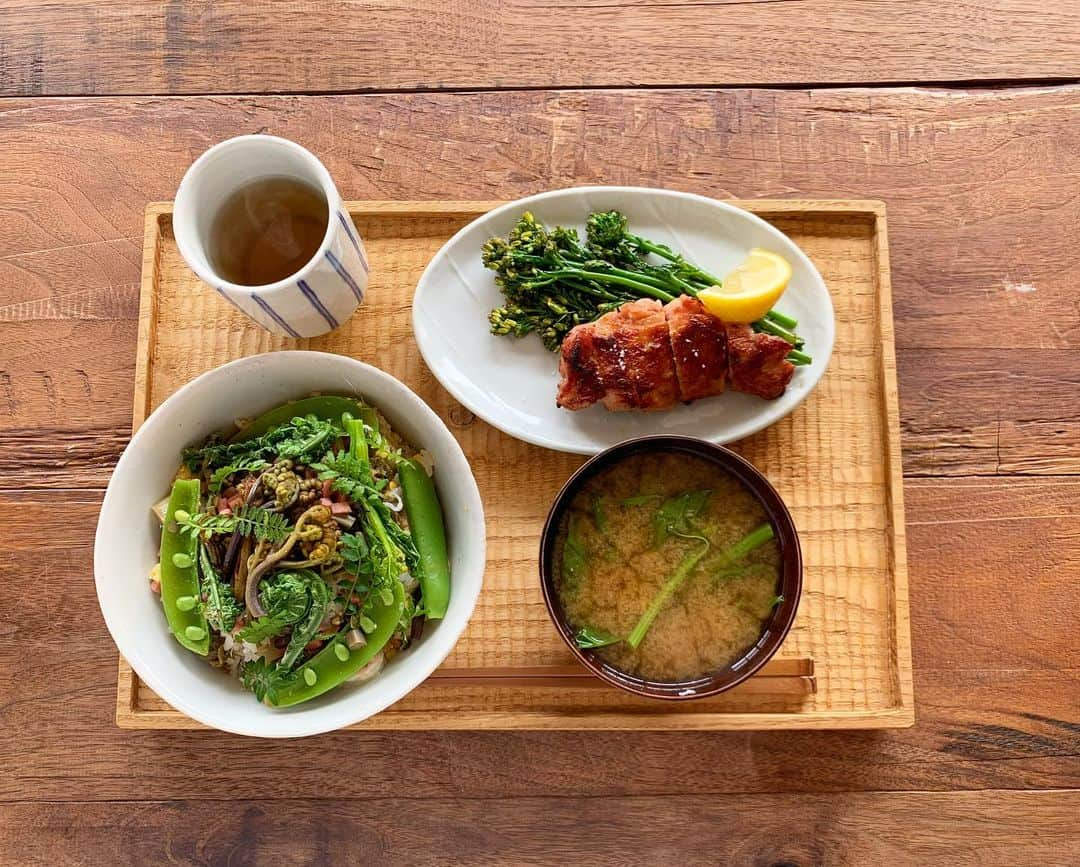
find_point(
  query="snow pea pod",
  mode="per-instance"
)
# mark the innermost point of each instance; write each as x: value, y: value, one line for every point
x: 328, y: 407
x: 354, y: 429
x: 179, y: 574
x: 369, y: 417
x: 429, y: 534
x: 327, y: 669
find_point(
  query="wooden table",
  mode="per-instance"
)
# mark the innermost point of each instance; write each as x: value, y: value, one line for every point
x: 964, y: 117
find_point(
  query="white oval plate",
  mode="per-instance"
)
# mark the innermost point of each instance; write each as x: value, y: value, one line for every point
x: 511, y: 383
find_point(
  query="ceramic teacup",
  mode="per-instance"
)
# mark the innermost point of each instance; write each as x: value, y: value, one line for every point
x: 325, y: 291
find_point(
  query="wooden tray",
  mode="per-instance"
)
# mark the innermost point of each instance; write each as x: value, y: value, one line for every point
x: 835, y: 460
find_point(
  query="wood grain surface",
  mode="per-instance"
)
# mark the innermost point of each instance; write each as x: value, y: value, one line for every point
x: 980, y: 184
x: 215, y: 46
x: 965, y: 829
x: 987, y: 299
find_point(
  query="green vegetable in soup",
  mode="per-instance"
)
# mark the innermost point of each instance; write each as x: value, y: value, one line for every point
x: 740, y: 549
x: 748, y: 543
x: 599, y: 515
x: 640, y: 500
x: 575, y: 559
x: 685, y: 567
x: 668, y: 566
x: 675, y: 515
x: 589, y: 638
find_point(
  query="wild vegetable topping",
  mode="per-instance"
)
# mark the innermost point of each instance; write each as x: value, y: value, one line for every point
x: 247, y: 521
x: 223, y: 474
x: 177, y: 577
x: 299, y: 439
x: 283, y: 546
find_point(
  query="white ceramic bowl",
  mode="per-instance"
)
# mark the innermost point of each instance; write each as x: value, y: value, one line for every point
x: 511, y: 383
x: 126, y: 546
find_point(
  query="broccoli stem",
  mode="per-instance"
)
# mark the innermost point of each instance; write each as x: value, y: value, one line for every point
x: 770, y: 327
x: 779, y: 324
x: 782, y: 319
x: 592, y: 290
x: 686, y: 288
x: 666, y: 253
x: 666, y: 282
x: 606, y: 277
x: 572, y: 265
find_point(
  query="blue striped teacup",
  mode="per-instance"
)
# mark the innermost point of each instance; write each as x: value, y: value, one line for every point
x: 318, y: 297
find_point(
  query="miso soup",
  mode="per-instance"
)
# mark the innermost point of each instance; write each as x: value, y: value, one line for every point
x: 667, y: 566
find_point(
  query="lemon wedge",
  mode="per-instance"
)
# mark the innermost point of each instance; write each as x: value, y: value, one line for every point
x: 751, y: 290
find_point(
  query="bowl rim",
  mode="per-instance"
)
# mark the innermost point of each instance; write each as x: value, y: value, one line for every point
x: 218, y: 151
x: 777, y: 628
x: 128, y: 645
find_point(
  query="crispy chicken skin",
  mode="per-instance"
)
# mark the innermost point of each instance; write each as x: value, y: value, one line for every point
x: 757, y: 363
x: 699, y: 345
x: 623, y: 360
x: 579, y: 366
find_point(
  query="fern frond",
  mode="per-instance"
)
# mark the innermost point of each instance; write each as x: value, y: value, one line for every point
x: 247, y: 521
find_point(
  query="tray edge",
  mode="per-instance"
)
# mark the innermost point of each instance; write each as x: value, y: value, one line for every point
x: 900, y: 608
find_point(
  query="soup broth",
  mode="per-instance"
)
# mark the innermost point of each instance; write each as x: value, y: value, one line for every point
x: 636, y: 526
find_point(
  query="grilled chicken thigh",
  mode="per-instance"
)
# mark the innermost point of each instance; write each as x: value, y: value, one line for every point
x: 757, y: 363
x: 699, y: 346
x: 646, y: 356
x: 623, y: 360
